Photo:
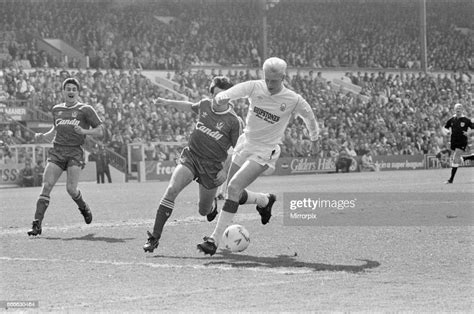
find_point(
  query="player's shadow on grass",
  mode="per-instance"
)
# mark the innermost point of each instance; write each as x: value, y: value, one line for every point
x: 227, y: 258
x: 92, y: 237
x: 286, y: 261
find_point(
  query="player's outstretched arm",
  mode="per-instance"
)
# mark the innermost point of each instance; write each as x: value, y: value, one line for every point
x: 306, y: 113
x: 240, y: 90
x: 181, y: 105
x: 46, y: 137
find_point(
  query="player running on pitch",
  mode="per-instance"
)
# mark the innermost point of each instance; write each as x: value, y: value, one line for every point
x: 218, y: 128
x: 459, y: 125
x: 73, y: 120
x: 271, y: 107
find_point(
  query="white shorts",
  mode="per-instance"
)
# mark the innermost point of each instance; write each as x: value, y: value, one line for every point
x: 262, y: 154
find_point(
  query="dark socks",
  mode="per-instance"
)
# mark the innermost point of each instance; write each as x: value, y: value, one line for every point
x: 243, y: 197
x: 162, y: 214
x: 41, y: 206
x: 230, y: 206
x: 79, y: 201
x: 453, y: 173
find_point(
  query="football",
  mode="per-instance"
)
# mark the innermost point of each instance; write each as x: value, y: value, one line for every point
x: 236, y: 238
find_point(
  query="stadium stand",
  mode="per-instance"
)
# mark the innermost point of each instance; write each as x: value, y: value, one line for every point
x: 403, y: 115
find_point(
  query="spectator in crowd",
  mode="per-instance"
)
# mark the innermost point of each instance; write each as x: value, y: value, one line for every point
x: 3, y: 93
x: 27, y: 177
x: 345, y: 158
x: 103, y: 162
x: 367, y: 162
x: 38, y: 173
x: 102, y: 169
x: 444, y: 157
x: 150, y: 151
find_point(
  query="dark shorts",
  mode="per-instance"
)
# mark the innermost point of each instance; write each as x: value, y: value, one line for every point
x: 67, y: 156
x: 461, y: 146
x: 343, y: 162
x: 204, y: 171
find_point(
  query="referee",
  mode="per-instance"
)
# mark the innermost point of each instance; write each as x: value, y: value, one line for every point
x: 459, y: 125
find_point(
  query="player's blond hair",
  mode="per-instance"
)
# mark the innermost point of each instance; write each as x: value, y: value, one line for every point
x: 275, y: 65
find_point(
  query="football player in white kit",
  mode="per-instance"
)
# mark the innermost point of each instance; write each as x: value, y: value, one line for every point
x: 257, y: 150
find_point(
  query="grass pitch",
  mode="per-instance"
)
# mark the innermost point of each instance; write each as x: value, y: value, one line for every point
x: 407, y: 247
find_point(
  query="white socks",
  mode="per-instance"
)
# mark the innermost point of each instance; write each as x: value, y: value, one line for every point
x: 224, y: 220
x: 261, y: 199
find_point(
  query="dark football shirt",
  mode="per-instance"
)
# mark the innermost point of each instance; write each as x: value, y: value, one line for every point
x: 65, y: 118
x: 215, y: 132
x: 458, y: 125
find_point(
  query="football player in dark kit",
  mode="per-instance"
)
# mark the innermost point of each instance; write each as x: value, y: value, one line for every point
x: 73, y: 120
x: 217, y: 129
x: 459, y: 125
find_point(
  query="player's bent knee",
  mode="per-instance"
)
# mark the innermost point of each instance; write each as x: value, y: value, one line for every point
x: 47, y: 187
x: 71, y: 189
x: 203, y: 211
x: 205, y: 204
x: 172, y: 193
x: 268, y: 171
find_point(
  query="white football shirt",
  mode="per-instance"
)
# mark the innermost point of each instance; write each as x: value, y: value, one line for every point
x: 268, y: 115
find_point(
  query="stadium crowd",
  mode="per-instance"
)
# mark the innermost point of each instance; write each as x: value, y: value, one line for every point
x: 399, y: 114
x: 394, y: 114
x: 174, y: 34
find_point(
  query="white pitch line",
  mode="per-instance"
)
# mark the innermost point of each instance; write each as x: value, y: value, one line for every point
x: 129, y: 223
x: 206, y: 291
x: 280, y: 270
